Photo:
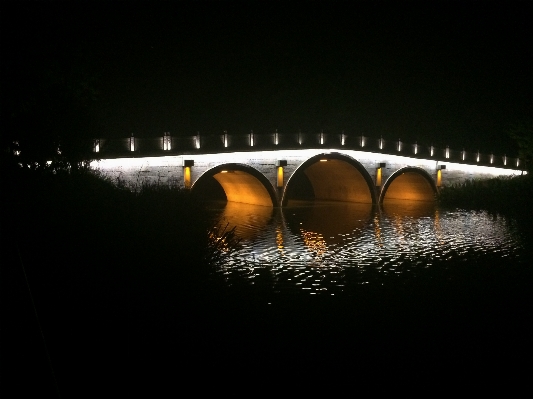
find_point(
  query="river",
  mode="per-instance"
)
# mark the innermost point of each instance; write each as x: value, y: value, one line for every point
x: 403, y: 286
x: 328, y: 248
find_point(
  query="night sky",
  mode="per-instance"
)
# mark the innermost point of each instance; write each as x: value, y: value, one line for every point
x: 456, y: 73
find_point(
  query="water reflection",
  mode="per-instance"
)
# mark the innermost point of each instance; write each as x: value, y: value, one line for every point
x: 328, y: 248
x: 406, y: 208
x: 248, y: 220
x: 327, y: 221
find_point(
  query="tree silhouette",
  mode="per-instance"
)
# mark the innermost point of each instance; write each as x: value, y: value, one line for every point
x: 49, y: 89
x: 522, y: 134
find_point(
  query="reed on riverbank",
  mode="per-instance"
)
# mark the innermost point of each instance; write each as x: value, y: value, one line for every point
x: 506, y: 195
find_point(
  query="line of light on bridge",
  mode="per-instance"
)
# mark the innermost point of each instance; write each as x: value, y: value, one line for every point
x: 247, y: 157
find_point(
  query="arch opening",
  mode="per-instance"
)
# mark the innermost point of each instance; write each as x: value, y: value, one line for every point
x: 235, y: 183
x: 409, y: 184
x: 330, y: 177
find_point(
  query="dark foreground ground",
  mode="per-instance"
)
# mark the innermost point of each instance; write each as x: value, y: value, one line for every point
x: 123, y: 334
x: 121, y: 308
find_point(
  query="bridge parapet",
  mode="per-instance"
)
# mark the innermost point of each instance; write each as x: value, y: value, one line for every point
x: 167, y: 144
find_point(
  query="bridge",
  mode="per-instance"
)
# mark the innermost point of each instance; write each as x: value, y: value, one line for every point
x: 272, y: 169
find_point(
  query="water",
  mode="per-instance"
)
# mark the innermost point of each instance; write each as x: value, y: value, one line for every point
x: 320, y: 248
x: 404, y: 288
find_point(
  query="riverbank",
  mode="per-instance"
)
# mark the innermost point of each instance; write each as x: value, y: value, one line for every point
x: 510, y: 196
x: 85, y: 264
x: 123, y: 305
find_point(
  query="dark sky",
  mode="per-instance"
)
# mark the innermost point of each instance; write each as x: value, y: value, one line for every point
x: 453, y: 73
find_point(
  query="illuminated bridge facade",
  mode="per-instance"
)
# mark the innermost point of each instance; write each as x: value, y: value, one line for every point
x: 271, y: 170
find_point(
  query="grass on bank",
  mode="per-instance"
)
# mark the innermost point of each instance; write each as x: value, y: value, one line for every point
x: 510, y: 196
x: 110, y: 220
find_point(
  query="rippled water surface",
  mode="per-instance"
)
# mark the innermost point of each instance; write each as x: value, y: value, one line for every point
x: 331, y: 248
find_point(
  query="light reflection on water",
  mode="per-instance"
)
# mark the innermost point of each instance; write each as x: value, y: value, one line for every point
x: 329, y: 248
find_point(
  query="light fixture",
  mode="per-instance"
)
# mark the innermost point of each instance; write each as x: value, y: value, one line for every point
x: 379, y: 173
x: 132, y: 143
x: 16, y: 147
x: 280, y: 176
x: 187, y: 164
x: 280, y: 163
x: 166, y: 141
x: 197, y: 140
x: 439, y: 174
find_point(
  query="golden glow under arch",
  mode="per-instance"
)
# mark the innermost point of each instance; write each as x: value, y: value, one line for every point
x: 409, y: 183
x: 242, y: 184
x: 336, y: 177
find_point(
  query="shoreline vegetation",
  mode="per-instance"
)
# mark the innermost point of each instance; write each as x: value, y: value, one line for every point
x: 510, y: 196
x: 64, y: 217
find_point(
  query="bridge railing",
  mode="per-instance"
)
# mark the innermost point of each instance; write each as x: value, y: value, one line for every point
x: 225, y: 142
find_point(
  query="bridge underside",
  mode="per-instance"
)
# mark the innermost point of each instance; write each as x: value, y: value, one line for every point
x: 409, y: 185
x: 242, y: 187
x: 337, y: 180
x: 322, y: 178
x: 333, y: 180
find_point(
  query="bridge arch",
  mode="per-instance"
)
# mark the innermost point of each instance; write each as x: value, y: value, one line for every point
x: 240, y: 183
x: 409, y: 183
x: 334, y: 177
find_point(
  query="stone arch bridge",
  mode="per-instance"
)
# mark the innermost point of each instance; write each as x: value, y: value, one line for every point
x: 271, y: 170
